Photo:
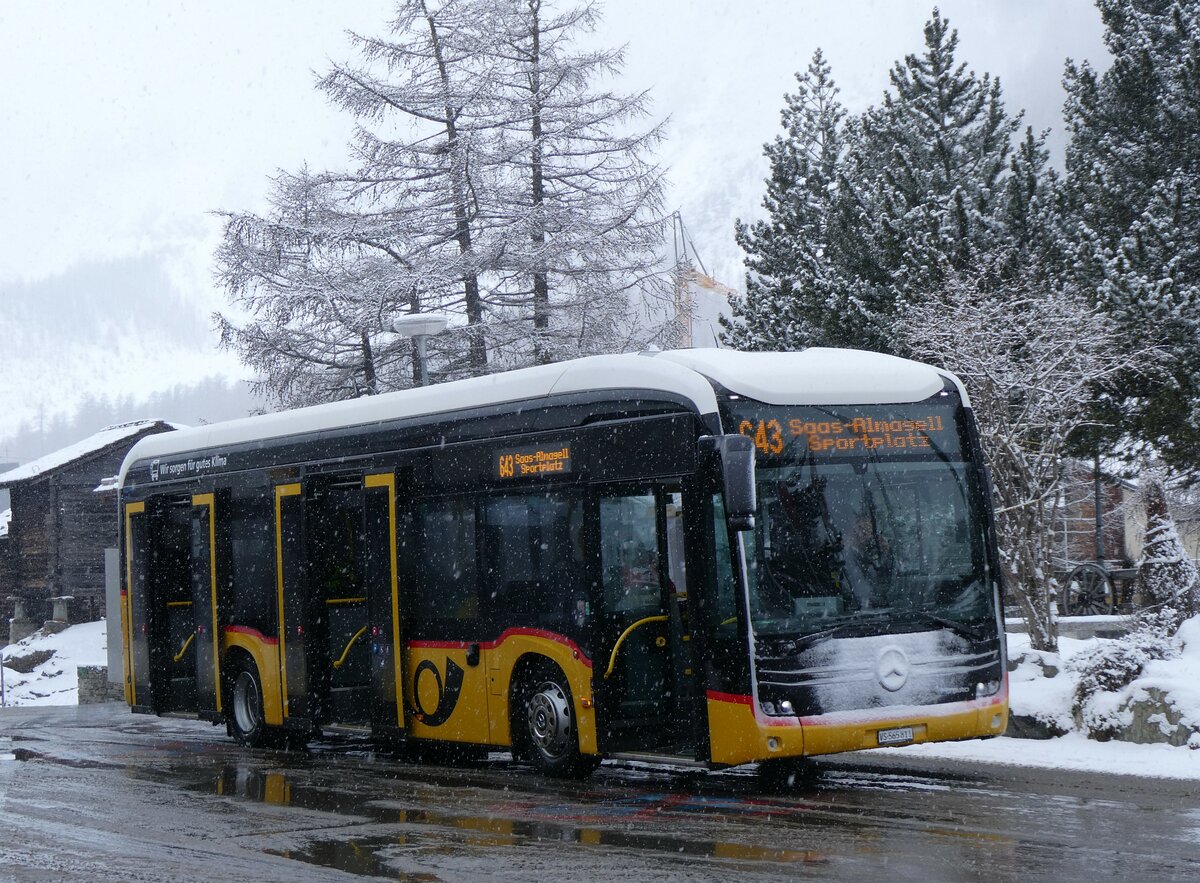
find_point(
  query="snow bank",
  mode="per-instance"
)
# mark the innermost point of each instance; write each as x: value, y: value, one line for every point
x: 1074, y: 751
x: 50, y: 663
x: 1161, y: 703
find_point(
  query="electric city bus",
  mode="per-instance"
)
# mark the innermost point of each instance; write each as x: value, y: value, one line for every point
x: 702, y: 556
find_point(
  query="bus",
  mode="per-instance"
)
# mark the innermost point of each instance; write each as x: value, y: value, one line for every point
x: 702, y: 556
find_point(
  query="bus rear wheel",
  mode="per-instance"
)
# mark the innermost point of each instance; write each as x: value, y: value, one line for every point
x: 246, y: 723
x: 545, y: 728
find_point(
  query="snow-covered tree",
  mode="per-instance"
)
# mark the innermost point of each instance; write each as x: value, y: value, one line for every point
x: 871, y: 213
x: 1167, y: 580
x: 927, y: 168
x: 492, y: 178
x: 790, y: 274
x: 583, y: 208
x: 1133, y: 183
x: 1031, y: 359
x: 318, y: 293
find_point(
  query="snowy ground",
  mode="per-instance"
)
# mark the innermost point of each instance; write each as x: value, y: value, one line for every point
x: 1073, y: 751
x: 53, y: 682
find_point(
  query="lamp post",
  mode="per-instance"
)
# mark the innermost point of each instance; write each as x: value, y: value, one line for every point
x: 420, y: 326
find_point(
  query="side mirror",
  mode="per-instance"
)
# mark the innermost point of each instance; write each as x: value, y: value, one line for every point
x: 736, y: 453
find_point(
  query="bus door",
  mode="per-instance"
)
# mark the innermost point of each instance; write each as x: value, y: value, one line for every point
x: 205, y: 607
x: 135, y: 611
x: 162, y: 627
x: 642, y: 669
x: 298, y: 627
x: 335, y: 542
x: 382, y: 585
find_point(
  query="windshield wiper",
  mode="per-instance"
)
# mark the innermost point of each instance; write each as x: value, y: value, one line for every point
x: 786, y: 645
x: 959, y: 628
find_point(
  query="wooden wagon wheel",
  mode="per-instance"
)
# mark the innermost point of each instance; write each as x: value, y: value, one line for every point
x: 1089, y: 592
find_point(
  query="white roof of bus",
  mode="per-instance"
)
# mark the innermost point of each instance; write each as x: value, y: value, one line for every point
x: 527, y: 384
x: 817, y: 376
x: 814, y: 376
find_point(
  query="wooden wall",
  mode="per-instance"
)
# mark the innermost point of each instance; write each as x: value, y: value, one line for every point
x: 58, y: 533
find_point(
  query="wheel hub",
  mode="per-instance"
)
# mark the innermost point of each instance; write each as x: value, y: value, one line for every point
x: 550, y: 720
x: 246, y: 703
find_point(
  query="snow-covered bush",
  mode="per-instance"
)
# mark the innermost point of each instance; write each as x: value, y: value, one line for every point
x: 1107, y: 669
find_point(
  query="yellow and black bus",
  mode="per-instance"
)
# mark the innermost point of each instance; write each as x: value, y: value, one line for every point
x: 702, y: 555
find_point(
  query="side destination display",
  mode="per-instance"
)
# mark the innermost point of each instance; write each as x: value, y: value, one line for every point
x: 527, y: 462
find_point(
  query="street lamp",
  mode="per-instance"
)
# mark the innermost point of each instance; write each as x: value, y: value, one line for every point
x: 419, y: 326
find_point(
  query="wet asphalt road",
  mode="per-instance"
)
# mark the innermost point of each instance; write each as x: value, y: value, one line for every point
x: 95, y: 793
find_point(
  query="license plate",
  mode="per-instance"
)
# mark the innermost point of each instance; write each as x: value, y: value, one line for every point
x: 895, y: 736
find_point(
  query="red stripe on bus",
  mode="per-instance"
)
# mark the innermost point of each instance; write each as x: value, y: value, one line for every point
x: 254, y: 633
x: 729, y: 697
x: 505, y: 635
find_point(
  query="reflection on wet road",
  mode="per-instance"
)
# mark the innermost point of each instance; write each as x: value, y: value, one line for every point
x: 100, y: 794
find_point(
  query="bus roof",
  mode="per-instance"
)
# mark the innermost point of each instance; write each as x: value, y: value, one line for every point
x: 814, y: 376
x: 817, y: 376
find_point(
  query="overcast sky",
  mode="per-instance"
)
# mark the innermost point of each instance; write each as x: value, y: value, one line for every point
x: 124, y: 125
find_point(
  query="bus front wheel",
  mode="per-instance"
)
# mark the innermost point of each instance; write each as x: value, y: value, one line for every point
x: 545, y: 728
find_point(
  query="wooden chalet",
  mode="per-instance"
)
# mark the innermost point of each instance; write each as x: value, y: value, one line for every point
x: 62, y: 515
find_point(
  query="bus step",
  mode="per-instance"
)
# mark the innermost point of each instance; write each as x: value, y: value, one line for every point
x: 660, y: 759
x: 346, y: 729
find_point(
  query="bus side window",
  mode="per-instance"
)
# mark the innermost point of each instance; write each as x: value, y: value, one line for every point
x: 252, y: 560
x: 534, y: 566
x: 446, y: 587
x: 629, y: 553
x: 335, y: 545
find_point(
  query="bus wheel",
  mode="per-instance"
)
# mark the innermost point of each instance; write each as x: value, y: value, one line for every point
x: 246, y: 723
x: 788, y: 773
x: 549, y: 734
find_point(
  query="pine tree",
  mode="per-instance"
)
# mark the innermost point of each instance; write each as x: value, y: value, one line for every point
x: 1133, y: 184
x: 870, y: 213
x: 1167, y: 578
x: 927, y: 170
x: 790, y: 275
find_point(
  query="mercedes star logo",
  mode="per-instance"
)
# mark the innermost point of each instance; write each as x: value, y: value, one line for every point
x: 892, y: 668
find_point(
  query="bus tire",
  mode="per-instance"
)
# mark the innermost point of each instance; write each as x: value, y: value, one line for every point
x: 246, y: 723
x: 788, y: 773
x: 544, y: 725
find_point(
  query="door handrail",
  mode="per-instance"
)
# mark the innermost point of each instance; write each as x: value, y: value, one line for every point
x: 183, y: 649
x: 612, y: 657
x: 358, y: 634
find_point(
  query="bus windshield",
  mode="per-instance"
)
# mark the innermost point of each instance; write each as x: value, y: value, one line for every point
x: 870, y: 521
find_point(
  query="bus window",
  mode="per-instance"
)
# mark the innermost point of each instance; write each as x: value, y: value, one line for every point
x: 723, y: 569
x: 335, y: 540
x: 252, y: 561
x: 533, y: 551
x: 445, y: 568
x: 676, y: 561
x: 629, y: 553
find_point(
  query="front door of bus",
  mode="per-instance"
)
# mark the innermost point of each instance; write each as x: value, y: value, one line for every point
x: 641, y: 672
